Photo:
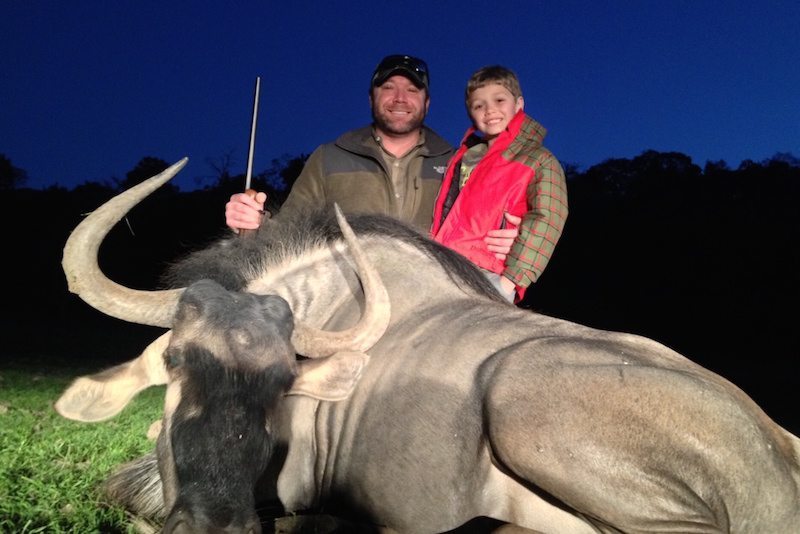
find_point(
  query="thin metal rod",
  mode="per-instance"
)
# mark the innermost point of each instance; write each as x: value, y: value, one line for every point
x: 252, y: 136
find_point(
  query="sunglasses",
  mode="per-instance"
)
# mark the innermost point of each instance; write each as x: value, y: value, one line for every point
x: 414, y: 66
x: 412, y: 63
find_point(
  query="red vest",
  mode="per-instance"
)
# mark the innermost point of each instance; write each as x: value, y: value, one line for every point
x: 495, y: 185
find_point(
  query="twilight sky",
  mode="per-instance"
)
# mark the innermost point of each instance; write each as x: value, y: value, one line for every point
x: 89, y: 87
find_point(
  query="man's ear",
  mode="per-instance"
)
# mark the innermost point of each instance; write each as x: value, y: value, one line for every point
x: 520, y: 104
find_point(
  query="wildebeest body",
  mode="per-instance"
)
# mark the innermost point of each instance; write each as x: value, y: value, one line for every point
x: 606, y: 432
x: 469, y: 407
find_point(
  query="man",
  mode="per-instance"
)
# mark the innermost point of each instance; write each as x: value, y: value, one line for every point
x: 394, y: 166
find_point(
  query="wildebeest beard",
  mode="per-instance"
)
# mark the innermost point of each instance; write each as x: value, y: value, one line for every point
x: 219, y: 440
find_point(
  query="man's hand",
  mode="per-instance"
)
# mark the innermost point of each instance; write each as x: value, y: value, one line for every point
x: 500, y: 241
x: 507, y: 285
x: 245, y: 212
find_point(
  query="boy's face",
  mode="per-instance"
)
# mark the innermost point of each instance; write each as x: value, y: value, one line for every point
x: 491, y: 108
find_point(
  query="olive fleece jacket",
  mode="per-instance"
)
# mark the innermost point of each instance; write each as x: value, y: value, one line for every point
x: 353, y: 172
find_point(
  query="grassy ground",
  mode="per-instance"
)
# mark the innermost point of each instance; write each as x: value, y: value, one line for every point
x: 51, y: 468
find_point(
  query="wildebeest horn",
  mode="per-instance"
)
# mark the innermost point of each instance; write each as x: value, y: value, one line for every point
x: 313, y: 343
x: 84, y: 277
x: 157, y: 308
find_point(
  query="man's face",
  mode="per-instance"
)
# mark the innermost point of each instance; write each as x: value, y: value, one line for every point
x: 398, y: 106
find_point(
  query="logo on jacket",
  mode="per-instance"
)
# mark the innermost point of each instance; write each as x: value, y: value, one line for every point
x: 440, y: 168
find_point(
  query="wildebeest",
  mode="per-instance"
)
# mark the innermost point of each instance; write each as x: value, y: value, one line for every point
x: 428, y: 401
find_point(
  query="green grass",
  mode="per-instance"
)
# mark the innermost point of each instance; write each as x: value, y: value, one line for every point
x: 51, y: 468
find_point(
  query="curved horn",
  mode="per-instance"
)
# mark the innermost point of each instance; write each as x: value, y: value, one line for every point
x: 157, y: 308
x: 315, y: 343
x: 84, y: 277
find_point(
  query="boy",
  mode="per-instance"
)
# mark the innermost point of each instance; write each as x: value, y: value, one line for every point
x: 501, y: 170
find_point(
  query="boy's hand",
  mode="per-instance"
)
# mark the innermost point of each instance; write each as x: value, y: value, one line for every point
x: 245, y: 212
x: 499, y: 241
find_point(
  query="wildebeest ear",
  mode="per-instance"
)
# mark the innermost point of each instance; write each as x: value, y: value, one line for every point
x: 102, y: 395
x: 329, y: 379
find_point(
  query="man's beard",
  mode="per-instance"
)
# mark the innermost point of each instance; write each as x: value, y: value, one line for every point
x: 395, y: 127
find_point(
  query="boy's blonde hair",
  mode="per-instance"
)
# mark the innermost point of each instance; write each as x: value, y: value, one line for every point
x: 493, y: 74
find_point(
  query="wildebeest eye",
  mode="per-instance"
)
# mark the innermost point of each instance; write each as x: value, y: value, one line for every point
x: 172, y: 359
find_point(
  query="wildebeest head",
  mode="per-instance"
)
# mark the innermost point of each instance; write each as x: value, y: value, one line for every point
x: 230, y: 361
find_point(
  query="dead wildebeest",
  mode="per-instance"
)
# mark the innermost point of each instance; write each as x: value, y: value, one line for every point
x: 451, y: 406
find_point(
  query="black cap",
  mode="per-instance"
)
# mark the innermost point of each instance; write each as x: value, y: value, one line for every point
x: 412, y: 68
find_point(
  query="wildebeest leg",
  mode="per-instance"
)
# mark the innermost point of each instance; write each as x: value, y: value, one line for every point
x: 636, y: 446
x: 102, y: 395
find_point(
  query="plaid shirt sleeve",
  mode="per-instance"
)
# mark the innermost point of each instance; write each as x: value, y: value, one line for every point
x: 541, y: 226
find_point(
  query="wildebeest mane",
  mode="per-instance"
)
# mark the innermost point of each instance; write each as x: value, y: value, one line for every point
x: 233, y: 262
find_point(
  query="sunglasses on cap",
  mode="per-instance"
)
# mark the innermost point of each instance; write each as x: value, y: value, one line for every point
x: 414, y: 68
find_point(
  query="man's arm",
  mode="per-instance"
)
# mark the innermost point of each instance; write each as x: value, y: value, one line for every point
x: 245, y: 212
x: 499, y: 241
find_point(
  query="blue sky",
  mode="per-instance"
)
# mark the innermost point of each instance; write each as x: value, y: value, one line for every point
x: 88, y: 88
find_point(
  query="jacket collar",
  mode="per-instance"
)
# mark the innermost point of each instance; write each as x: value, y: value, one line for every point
x: 520, y: 125
x: 362, y: 141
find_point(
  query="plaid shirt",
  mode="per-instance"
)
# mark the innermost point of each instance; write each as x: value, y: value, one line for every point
x: 542, y: 225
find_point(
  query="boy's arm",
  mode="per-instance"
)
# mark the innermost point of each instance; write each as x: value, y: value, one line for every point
x: 541, y: 226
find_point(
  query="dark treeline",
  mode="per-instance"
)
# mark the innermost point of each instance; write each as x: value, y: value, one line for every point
x: 704, y: 260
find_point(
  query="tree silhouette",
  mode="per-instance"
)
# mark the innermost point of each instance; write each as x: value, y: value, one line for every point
x: 146, y: 168
x: 713, y: 168
x: 280, y: 177
x: 784, y: 157
x: 11, y: 177
x: 222, y: 168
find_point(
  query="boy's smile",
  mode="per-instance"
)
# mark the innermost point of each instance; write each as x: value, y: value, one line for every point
x: 491, y: 108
